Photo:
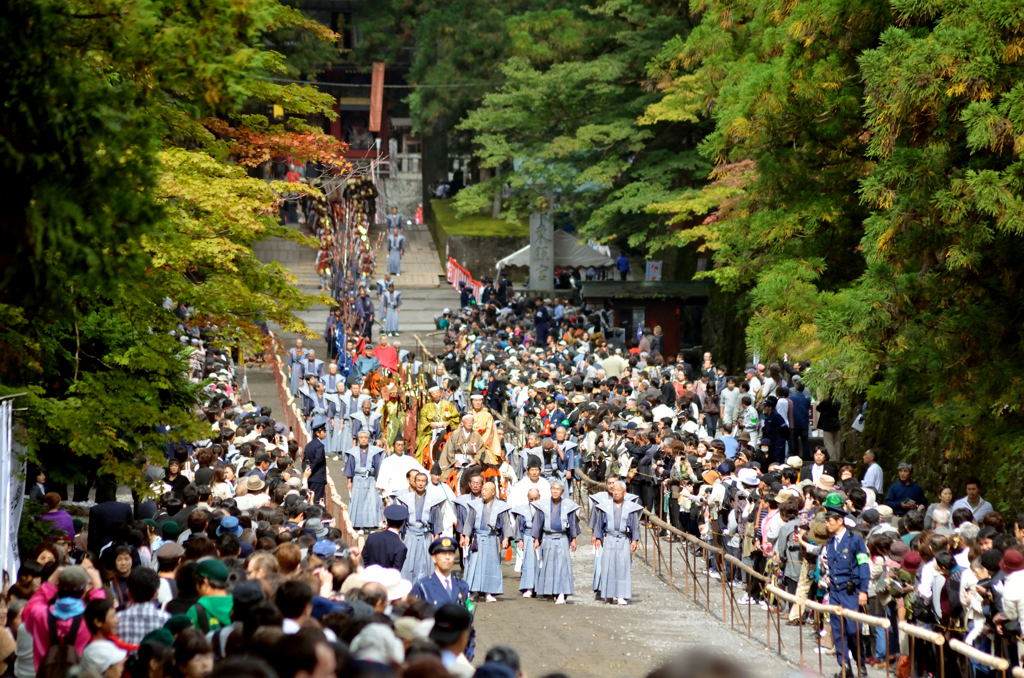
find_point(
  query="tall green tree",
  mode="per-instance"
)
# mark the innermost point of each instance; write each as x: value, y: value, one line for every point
x: 935, y: 335
x: 567, y: 121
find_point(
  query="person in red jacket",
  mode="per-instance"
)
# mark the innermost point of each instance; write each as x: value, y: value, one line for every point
x: 63, y: 597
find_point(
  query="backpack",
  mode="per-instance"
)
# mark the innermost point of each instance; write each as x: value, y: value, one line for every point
x: 62, y: 654
x: 950, y: 603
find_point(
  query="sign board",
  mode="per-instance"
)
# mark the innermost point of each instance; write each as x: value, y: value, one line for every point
x: 652, y: 270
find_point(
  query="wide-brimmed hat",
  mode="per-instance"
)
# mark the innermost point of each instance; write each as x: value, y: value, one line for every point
x: 826, y: 482
x: 710, y: 476
x: 389, y: 578
x: 229, y: 525
x: 787, y: 493
x: 748, y: 476
x: 254, y: 483
x: 794, y: 462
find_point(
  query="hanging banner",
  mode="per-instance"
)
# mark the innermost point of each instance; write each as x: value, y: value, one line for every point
x: 12, y: 495
x: 652, y: 270
x: 376, y: 95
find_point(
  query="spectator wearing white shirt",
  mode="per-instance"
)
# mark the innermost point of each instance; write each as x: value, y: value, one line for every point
x: 973, y: 501
x: 872, y: 473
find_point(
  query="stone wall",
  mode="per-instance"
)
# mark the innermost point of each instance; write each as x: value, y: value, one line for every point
x: 479, y: 254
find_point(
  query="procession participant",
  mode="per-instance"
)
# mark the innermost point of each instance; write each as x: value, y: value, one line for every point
x: 595, y: 516
x: 364, y: 312
x: 366, y: 420
x: 531, y: 481
x: 392, y: 414
x: 382, y: 285
x: 307, y: 391
x: 295, y: 357
x: 393, y: 221
x: 319, y: 407
x: 464, y: 514
x: 522, y: 528
x: 385, y: 547
x: 396, y: 250
x: 311, y: 365
x: 463, y: 447
x: 367, y: 362
x: 846, y: 563
x: 442, y: 586
x: 487, y: 538
x: 362, y: 465
x: 567, y: 447
x: 314, y: 459
x: 436, y: 418
x: 554, y: 464
x: 483, y: 423
x: 391, y: 302
x: 424, y: 525
x: 616, y: 533
x: 391, y: 481
x: 387, y: 355
x: 334, y: 385
x: 351, y: 402
x: 555, y: 528
x: 437, y: 486
x: 333, y: 331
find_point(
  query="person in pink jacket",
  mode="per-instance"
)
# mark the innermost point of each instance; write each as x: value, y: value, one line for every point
x: 64, y: 596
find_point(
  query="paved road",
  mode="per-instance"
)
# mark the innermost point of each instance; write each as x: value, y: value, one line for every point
x: 591, y: 638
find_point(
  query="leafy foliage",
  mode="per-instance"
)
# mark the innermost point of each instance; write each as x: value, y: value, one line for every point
x: 565, y: 123
x: 121, y: 199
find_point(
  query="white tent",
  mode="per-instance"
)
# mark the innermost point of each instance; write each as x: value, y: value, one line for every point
x: 569, y: 252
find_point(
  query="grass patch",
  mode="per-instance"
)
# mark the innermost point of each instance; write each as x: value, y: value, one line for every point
x: 475, y: 224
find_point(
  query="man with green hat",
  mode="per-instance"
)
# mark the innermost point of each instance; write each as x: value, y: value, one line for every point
x: 213, y: 609
x: 169, y: 532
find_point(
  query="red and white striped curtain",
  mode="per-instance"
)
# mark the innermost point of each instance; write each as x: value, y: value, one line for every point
x: 457, y: 274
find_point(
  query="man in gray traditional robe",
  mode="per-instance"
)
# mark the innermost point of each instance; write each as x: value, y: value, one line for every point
x: 555, y: 528
x: 295, y: 357
x: 616, y: 533
x: 396, y: 249
x: 424, y: 525
x: 522, y: 524
x: 487, y: 538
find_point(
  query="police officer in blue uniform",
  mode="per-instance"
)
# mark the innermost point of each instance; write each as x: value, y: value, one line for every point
x: 846, y: 557
x: 442, y: 586
x: 385, y: 547
x: 315, y: 459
